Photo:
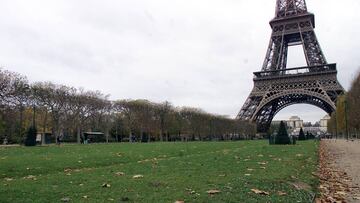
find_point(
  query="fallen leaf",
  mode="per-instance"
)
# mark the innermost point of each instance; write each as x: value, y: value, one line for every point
x: 281, y: 193
x: 260, y: 192
x: 262, y: 163
x: 213, y: 192
x: 138, y: 176
x: 250, y: 169
x: 85, y: 196
x: 222, y: 175
x: 120, y: 173
x: 179, y: 201
x: 263, y: 167
x: 106, y: 185
x: 340, y: 193
x: 247, y: 174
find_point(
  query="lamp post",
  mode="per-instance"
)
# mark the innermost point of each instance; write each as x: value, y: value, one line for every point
x: 346, y: 120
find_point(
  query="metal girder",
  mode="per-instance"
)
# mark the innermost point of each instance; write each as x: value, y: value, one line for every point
x: 277, y: 86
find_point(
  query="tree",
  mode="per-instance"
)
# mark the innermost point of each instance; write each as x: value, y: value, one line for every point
x: 302, y: 134
x: 31, y: 136
x: 282, y: 136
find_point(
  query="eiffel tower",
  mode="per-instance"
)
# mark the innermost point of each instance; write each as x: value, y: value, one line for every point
x: 276, y: 86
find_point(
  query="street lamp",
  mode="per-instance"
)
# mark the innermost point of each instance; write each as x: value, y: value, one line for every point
x: 346, y: 120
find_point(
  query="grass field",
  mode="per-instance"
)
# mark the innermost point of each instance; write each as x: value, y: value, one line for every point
x: 171, y: 171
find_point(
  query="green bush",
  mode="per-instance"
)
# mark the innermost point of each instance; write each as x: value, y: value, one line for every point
x: 302, y: 135
x: 282, y: 136
x: 31, y: 137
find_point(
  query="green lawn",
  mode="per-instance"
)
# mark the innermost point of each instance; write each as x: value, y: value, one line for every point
x: 171, y: 171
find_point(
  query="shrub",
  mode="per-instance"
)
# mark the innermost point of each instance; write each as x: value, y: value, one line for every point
x: 302, y: 135
x: 31, y: 137
x: 282, y: 136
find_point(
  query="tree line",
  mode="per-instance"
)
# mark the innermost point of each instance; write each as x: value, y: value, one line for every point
x: 345, y: 122
x: 67, y: 112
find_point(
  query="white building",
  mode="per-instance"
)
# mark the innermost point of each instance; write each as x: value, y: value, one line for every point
x: 295, y: 123
x: 324, y: 123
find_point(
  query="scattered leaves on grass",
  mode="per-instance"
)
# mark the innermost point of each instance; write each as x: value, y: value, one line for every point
x: 259, y: 192
x: 8, y: 179
x: 30, y: 177
x: 120, y: 173
x: 138, y: 176
x: 105, y: 185
x: 213, y: 192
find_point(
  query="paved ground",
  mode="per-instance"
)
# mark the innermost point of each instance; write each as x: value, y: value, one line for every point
x: 345, y: 156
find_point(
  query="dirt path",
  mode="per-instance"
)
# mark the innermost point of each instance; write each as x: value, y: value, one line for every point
x: 340, y: 170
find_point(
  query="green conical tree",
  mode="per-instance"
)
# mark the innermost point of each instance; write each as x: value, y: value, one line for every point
x: 282, y: 136
x: 31, y: 137
x: 302, y: 135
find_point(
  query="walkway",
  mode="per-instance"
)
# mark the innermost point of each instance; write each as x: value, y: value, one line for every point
x: 340, y: 170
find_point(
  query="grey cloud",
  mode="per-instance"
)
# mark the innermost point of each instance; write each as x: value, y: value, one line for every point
x: 195, y: 53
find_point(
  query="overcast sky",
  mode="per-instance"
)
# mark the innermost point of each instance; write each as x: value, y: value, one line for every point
x: 198, y: 53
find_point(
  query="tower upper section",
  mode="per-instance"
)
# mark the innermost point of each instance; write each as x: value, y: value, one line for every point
x: 289, y: 8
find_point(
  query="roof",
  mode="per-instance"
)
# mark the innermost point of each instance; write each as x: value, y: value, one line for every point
x: 294, y: 118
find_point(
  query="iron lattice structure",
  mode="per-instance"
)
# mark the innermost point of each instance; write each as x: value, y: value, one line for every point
x: 276, y: 86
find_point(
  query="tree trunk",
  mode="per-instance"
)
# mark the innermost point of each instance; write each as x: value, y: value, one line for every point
x: 130, y: 135
x: 107, y: 135
x: 161, y: 135
x: 78, y: 135
x: 43, y: 137
x: 21, y: 122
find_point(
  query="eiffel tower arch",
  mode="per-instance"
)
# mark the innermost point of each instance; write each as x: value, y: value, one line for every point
x: 276, y: 86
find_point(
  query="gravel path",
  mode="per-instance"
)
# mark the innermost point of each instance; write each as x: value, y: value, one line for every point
x: 345, y: 156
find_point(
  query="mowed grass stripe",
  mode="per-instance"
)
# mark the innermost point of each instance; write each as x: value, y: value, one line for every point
x: 172, y: 171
